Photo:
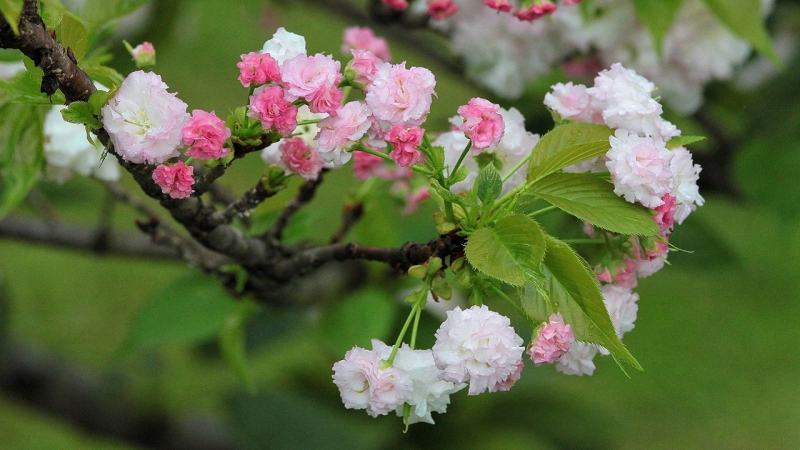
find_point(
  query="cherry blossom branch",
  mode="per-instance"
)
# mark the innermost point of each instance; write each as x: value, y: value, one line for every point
x: 351, y: 215
x: 304, y: 195
x: 241, y: 207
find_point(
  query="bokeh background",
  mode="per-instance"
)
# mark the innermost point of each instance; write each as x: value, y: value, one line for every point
x: 716, y: 332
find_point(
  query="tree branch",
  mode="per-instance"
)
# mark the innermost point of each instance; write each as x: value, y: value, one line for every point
x: 304, y: 195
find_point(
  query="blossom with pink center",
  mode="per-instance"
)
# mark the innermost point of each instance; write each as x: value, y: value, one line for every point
x: 268, y: 105
x: 483, y: 124
x: 397, y: 5
x: 405, y: 141
x: 363, y: 38
x: 640, y: 168
x: 312, y: 78
x: 684, y: 183
x: 535, y: 11
x: 299, y: 158
x: 342, y: 130
x: 500, y: 5
x: 143, y: 120
x: 477, y: 346
x: 206, y: 134
x: 441, y: 9
x: 175, y: 180
x: 621, y: 305
x: 401, y: 96
x: 571, y: 101
x: 362, y: 68
x: 258, y: 68
x: 553, y: 340
x: 364, y: 382
x: 664, y: 214
x: 508, y: 383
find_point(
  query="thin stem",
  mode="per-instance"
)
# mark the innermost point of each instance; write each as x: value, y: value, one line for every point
x: 584, y: 241
x: 517, y: 167
x: 513, y: 303
x: 460, y: 160
x: 413, y: 343
x: 402, y: 334
x: 542, y: 211
x: 360, y: 147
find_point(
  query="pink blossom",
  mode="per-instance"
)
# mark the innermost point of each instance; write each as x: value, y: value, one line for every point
x: 500, y: 5
x: 535, y: 11
x: 483, y: 124
x: 571, y: 2
x: 362, y: 67
x: 441, y: 9
x: 206, y: 133
x: 640, y: 168
x: 143, y: 49
x: 553, y: 340
x: 314, y: 79
x: 363, y: 38
x: 477, y: 346
x: 301, y: 159
x: 268, y: 105
x: 143, y: 120
x: 342, y: 130
x: 405, y: 141
x: 366, y: 165
x: 664, y: 214
x: 401, y: 96
x: 572, y: 102
x: 413, y: 201
x: 258, y: 68
x: 397, y: 5
x: 620, y: 272
x: 175, y: 180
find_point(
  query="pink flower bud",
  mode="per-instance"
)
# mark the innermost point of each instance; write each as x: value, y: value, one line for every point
x: 175, y: 180
x: 500, y: 5
x: 441, y: 9
x: 535, y: 11
x: 554, y: 339
x: 397, y: 5
x: 144, y: 55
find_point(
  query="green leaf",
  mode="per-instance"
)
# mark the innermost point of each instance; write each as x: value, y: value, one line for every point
x: 232, y: 342
x: 509, y: 250
x: 683, y: 141
x: 657, y: 16
x: 448, y: 196
x: 104, y: 75
x: 189, y: 310
x: 21, y: 151
x: 744, y: 19
x: 26, y: 88
x: 11, y: 10
x: 593, y: 200
x: 98, y: 99
x: 575, y: 293
x: 567, y: 144
x: 101, y: 14
x: 365, y: 315
x: 81, y: 113
x: 488, y: 185
x: 71, y: 33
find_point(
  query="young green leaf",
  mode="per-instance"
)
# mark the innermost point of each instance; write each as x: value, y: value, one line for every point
x: 657, y: 16
x: 11, y: 10
x: 575, y: 293
x: 21, y: 151
x: 509, y: 250
x: 189, y: 310
x: 593, y: 200
x: 681, y: 141
x: 570, y: 139
x: 82, y: 113
x: 71, y: 33
x: 488, y: 185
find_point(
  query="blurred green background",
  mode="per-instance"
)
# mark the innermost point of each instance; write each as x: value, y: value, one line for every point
x: 714, y: 330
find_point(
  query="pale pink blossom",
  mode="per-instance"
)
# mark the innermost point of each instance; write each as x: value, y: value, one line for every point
x: 362, y: 68
x: 342, y: 130
x: 535, y: 11
x: 366, y: 165
x: 405, y: 141
x: 578, y: 360
x: 397, y: 5
x: 312, y: 78
x: 553, y: 340
x: 508, y: 383
x: 143, y: 120
x: 258, y: 68
x: 500, y: 5
x: 206, y: 134
x: 640, y: 168
x: 301, y: 159
x: 401, y: 96
x: 175, y: 180
x: 268, y: 105
x: 477, y: 346
x: 483, y: 124
x: 441, y: 9
x: 363, y: 38
x: 571, y: 101
x: 285, y: 45
x: 364, y: 383
x: 684, y: 183
x: 621, y: 305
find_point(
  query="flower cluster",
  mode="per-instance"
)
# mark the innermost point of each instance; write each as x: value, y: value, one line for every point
x: 504, y: 53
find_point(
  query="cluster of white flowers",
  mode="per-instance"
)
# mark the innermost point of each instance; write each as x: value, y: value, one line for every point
x: 504, y: 53
x: 475, y: 346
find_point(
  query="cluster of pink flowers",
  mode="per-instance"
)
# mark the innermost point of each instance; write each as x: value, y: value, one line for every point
x: 175, y: 180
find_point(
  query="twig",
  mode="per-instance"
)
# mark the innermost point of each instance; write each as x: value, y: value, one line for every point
x: 242, y: 207
x: 304, y: 195
x: 351, y: 215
